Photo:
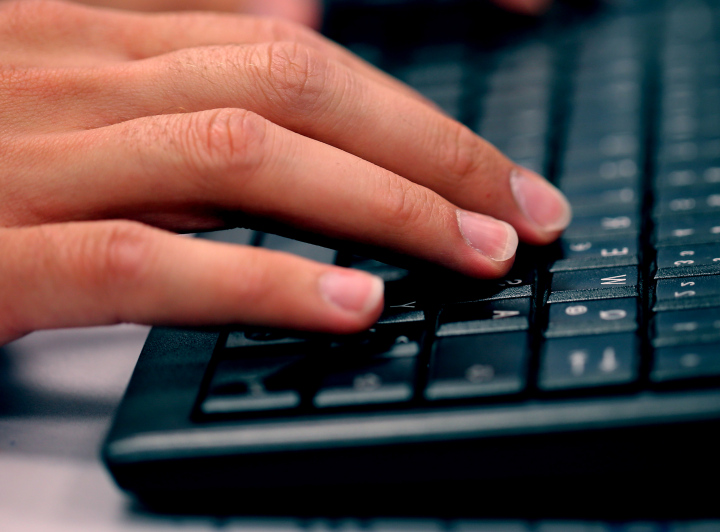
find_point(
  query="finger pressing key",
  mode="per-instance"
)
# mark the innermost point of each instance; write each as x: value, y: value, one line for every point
x: 188, y: 171
x: 299, y: 89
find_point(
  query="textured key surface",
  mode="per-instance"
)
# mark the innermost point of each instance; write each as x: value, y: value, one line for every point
x: 684, y: 362
x: 593, y: 317
x: 577, y: 362
x: 478, y: 365
x: 485, y: 316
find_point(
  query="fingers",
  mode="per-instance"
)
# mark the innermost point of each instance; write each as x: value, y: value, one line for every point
x: 182, y: 171
x: 301, y: 90
x: 108, y: 272
x: 172, y: 32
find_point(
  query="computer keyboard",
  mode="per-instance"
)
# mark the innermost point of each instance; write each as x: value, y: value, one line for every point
x: 592, y: 369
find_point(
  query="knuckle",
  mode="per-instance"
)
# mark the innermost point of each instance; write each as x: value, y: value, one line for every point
x: 119, y: 254
x: 297, y: 76
x: 226, y: 139
x: 408, y: 205
x: 461, y: 154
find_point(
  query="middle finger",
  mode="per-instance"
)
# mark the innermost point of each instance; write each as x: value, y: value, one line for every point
x: 302, y: 90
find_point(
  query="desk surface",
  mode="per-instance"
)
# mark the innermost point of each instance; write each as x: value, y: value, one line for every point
x: 58, y: 391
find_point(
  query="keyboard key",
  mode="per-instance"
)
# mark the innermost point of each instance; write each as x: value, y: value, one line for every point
x: 687, y: 292
x: 485, y: 316
x: 403, y: 302
x: 601, y: 283
x: 596, y: 253
x: 593, y: 317
x: 683, y: 261
x: 261, y: 336
x: 367, y: 380
x: 518, y: 283
x: 240, y: 236
x: 241, y: 385
x: 686, y: 324
x: 604, y: 227
x: 577, y: 362
x: 302, y: 249
x: 686, y: 362
x: 606, y: 202
x: 684, y: 230
x: 478, y: 365
x: 669, y: 204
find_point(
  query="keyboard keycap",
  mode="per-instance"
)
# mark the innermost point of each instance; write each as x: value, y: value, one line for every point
x: 302, y: 249
x: 579, y: 362
x: 596, y: 253
x: 684, y: 261
x: 478, y: 365
x: 684, y: 324
x: 485, y: 316
x: 242, y: 385
x: 687, y: 292
x: 686, y: 362
x: 601, y: 283
x: 593, y: 317
x: 368, y: 380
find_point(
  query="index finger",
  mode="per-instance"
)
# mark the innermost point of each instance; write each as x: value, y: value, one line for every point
x: 302, y: 90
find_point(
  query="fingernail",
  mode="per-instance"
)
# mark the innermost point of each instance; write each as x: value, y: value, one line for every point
x: 352, y: 291
x: 493, y: 238
x: 540, y: 202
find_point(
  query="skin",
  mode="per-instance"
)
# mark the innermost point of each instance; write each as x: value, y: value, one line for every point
x: 118, y: 129
x: 306, y: 12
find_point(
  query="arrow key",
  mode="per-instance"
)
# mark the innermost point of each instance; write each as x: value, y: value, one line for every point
x: 607, y: 360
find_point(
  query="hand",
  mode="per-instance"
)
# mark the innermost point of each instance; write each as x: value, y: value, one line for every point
x: 112, y: 122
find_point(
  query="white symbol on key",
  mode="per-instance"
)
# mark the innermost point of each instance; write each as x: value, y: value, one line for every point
x: 576, y: 310
x: 367, y: 382
x: 609, y: 362
x: 578, y: 360
x: 480, y: 373
x: 612, y: 315
x: 500, y: 314
x: 620, y: 222
x: 685, y: 327
x: 615, y: 252
x: 679, y: 233
x: 713, y: 200
x: 684, y: 204
x: 581, y: 246
x: 405, y: 305
x: 615, y: 280
x: 690, y: 360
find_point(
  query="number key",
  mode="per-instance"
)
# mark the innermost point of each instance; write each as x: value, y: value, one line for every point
x: 687, y: 292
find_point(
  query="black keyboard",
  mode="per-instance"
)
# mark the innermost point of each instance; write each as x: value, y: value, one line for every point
x: 586, y: 383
